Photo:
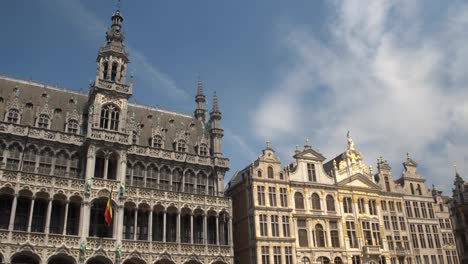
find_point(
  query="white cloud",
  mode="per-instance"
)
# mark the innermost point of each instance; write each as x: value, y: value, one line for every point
x: 394, y: 77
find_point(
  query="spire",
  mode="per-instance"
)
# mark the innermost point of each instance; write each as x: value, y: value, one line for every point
x: 200, y: 111
x: 115, y: 34
x: 216, y: 131
x: 215, y: 104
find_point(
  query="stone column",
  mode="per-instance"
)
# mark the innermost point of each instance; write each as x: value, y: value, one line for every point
x: 191, y: 229
x: 150, y: 226
x: 49, y: 212
x: 217, y: 230
x: 65, y: 218
x: 117, y: 76
x: 106, y: 165
x: 164, y: 225
x: 13, y: 212
x: 135, y: 224
x: 178, y: 228
x: 120, y: 219
x: 123, y: 166
x: 205, y: 229
x: 85, y: 223
x: 230, y: 231
x: 31, y: 212
x: 90, y: 163
x: 328, y: 242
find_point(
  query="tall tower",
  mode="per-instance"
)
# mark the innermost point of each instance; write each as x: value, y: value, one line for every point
x: 216, y: 131
x: 108, y: 96
x: 200, y: 111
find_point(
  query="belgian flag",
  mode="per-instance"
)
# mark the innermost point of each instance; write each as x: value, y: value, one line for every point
x: 108, y: 213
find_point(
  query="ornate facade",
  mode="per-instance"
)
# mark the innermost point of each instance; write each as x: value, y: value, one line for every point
x: 63, y: 154
x: 459, y: 216
x: 340, y: 211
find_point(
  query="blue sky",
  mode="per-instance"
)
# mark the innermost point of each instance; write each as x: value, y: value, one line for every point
x: 392, y: 72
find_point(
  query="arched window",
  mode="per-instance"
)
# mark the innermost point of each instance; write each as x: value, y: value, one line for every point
x: 122, y: 73
x: 305, y: 260
x: 114, y: 71
x: 323, y: 260
x: 72, y: 126
x: 14, y: 153
x: 13, y: 116
x: 110, y: 115
x: 75, y: 166
x: 189, y: 179
x: 29, y: 159
x: 157, y: 142
x: 412, y: 188
x: 319, y: 235
x: 211, y: 185
x: 419, y: 190
x: 43, y: 121
x: 299, y: 200
x: 330, y: 203
x: 45, y: 162
x: 177, y: 180
x: 152, y: 177
x: 181, y: 146
x: 138, y: 175
x: 97, y: 225
x: 164, y: 178
x: 338, y: 261
x: 203, y: 150
x: 270, y: 172
x: 104, y: 70
x: 61, y: 163
x: 316, y: 202
x: 259, y: 173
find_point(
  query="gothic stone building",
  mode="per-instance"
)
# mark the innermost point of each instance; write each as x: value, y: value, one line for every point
x: 62, y: 154
x: 459, y: 215
x: 339, y: 211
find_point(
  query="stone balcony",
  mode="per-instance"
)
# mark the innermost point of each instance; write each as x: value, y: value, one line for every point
x: 113, y: 86
x: 371, y: 250
x: 40, y: 133
x: 402, y: 252
x: 110, y: 245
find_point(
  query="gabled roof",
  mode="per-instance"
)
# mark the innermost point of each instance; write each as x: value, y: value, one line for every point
x: 359, y: 180
x: 309, y: 154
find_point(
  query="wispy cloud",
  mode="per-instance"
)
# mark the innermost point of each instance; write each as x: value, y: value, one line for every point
x: 92, y: 26
x: 394, y: 77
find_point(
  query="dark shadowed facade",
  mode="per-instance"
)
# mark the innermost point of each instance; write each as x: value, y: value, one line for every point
x: 63, y: 153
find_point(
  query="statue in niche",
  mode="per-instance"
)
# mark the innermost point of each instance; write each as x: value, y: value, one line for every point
x: 122, y: 190
x: 89, y: 183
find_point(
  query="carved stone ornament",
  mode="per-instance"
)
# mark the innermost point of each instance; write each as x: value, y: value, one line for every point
x: 13, y: 102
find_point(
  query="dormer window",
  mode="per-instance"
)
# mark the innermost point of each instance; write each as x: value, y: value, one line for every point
x: 157, y: 142
x: 134, y: 137
x: 43, y: 121
x: 110, y: 115
x: 72, y: 126
x: 13, y: 116
x: 203, y: 150
x: 181, y: 146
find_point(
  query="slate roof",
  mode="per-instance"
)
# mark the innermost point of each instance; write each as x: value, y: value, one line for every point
x: 63, y: 101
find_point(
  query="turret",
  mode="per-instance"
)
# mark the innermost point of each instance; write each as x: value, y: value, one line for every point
x: 200, y: 111
x: 112, y: 60
x: 216, y: 131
